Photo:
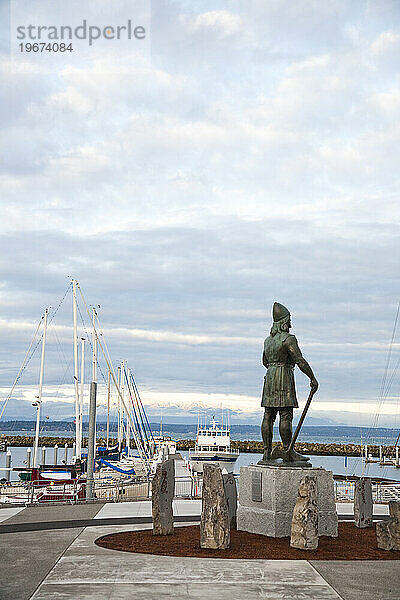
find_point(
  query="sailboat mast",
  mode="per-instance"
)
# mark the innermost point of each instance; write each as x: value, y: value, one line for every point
x: 121, y: 408
x: 82, y: 390
x: 94, y: 364
x: 108, y: 407
x: 128, y: 425
x: 76, y: 372
x: 39, y: 397
x: 94, y: 343
x: 92, y: 422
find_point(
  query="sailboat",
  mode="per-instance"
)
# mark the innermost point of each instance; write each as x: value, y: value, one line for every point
x: 133, y: 424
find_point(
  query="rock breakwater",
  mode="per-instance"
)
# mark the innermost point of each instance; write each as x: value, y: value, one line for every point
x: 311, y: 448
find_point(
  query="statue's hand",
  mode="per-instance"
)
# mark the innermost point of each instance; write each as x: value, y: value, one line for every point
x: 313, y: 385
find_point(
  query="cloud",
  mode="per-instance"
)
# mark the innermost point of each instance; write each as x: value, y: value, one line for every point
x: 219, y: 22
x: 386, y: 44
x: 252, y: 159
x: 59, y: 404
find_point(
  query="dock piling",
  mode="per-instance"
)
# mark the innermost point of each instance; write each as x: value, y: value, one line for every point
x: 8, y: 465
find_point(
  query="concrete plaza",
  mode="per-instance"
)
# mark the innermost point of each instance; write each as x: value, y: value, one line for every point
x: 49, y: 553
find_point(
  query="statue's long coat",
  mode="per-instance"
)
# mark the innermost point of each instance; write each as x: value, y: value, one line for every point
x: 279, y: 387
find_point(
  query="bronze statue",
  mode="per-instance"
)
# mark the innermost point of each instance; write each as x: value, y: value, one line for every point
x: 281, y: 354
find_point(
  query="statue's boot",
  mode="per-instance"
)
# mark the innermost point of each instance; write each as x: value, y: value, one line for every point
x: 296, y: 456
x: 266, y: 459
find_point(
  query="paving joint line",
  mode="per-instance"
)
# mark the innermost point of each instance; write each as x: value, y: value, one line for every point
x: 57, y: 561
x: 46, y: 525
x: 327, y: 582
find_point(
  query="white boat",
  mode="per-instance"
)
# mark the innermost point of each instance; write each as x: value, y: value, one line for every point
x: 213, y: 446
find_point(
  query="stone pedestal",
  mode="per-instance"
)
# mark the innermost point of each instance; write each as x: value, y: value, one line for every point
x: 163, y: 490
x: 267, y: 497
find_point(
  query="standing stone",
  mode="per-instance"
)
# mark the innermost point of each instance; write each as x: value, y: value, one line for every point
x: 388, y: 532
x: 231, y: 497
x: 363, y: 503
x: 163, y: 490
x: 215, y: 521
x: 304, y: 533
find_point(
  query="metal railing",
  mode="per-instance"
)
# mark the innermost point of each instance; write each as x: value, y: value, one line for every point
x: 381, y: 492
x: 35, y: 492
x: 186, y: 487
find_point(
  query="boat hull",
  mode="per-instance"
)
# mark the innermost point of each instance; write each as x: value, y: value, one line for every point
x: 225, y: 460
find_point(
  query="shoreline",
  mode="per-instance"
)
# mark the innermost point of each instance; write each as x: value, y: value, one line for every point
x: 244, y: 446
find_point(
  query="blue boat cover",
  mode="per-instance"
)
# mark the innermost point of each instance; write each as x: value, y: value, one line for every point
x: 108, y: 464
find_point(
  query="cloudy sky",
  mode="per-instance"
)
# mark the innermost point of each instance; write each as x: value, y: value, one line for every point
x: 249, y: 155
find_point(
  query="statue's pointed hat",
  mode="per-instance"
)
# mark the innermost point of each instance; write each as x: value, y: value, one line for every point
x: 279, y: 312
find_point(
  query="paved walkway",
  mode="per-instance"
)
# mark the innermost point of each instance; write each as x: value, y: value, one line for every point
x: 65, y: 564
x: 86, y: 571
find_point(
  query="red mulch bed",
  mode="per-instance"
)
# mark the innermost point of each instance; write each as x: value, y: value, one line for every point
x: 351, y: 544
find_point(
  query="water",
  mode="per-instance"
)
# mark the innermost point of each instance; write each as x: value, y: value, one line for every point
x: 317, y: 434
x: 331, y: 463
x: 327, y: 434
x: 18, y: 455
x: 58, y: 433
